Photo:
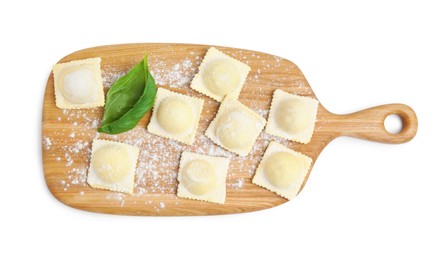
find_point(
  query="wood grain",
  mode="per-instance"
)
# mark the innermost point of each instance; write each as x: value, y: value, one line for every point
x: 67, y: 134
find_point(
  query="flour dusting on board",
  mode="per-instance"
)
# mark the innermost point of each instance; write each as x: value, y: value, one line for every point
x: 178, y: 75
x: 46, y: 142
x: 110, y: 75
x: 158, y: 161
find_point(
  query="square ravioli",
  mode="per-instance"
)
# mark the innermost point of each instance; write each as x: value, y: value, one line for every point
x: 175, y: 116
x: 78, y: 84
x: 292, y: 117
x: 235, y: 127
x: 113, y: 166
x: 220, y: 76
x: 282, y: 170
x: 202, y: 177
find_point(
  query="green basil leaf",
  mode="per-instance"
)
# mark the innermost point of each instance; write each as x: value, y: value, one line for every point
x: 129, y: 98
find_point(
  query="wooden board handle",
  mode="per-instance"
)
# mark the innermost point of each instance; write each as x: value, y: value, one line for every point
x: 369, y: 124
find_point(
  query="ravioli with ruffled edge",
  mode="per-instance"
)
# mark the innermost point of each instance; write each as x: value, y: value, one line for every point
x: 292, y: 117
x: 235, y: 127
x: 282, y: 170
x: 113, y: 166
x: 220, y: 76
x: 78, y: 84
x: 202, y: 177
x: 175, y: 116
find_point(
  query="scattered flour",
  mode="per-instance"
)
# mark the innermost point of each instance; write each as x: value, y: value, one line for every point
x: 110, y: 75
x: 119, y: 197
x: 46, y: 142
x: 178, y: 75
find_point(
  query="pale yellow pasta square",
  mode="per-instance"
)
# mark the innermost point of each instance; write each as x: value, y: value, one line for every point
x: 282, y: 170
x: 175, y: 116
x: 78, y: 84
x: 113, y: 166
x: 292, y: 117
x: 235, y: 127
x: 202, y: 177
x: 220, y: 76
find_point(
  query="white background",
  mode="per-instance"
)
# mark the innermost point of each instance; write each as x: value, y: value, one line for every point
x: 363, y: 200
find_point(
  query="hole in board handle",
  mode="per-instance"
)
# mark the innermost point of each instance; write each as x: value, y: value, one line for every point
x: 393, y: 124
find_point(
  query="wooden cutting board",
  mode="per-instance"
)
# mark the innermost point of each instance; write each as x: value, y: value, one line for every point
x: 67, y: 134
